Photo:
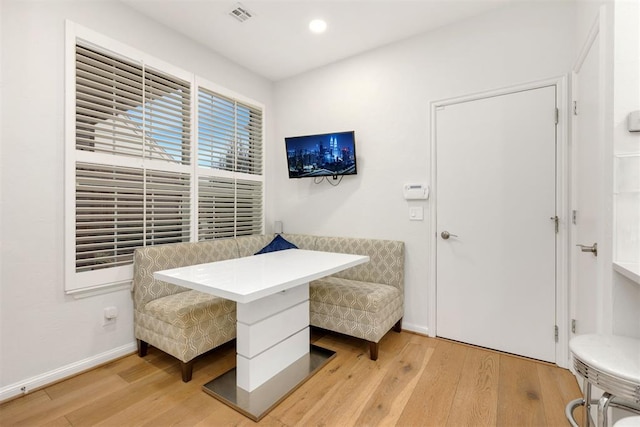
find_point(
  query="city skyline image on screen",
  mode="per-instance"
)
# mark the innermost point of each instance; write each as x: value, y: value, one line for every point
x: 329, y: 154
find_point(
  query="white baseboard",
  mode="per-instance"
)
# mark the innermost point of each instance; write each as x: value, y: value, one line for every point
x: 415, y: 328
x: 30, y: 384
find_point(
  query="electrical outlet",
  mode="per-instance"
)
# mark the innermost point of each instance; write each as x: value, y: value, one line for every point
x: 110, y: 316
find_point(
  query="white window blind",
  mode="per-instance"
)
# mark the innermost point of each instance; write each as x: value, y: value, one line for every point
x: 108, y: 93
x: 132, y: 163
x: 228, y: 207
x: 167, y: 207
x: 248, y: 207
x: 216, y: 208
x: 166, y: 118
x: 230, y: 166
x: 119, y: 209
x: 109, y: 215
x: 142, y: 169
x: 124, y: 108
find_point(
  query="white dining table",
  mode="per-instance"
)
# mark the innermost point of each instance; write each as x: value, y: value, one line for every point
x: 273, y: 355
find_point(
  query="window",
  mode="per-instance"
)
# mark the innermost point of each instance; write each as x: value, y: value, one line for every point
x: 229, y: 141
x: 143, y: 169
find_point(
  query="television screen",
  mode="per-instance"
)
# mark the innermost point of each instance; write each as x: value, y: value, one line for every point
x: 329, y: 154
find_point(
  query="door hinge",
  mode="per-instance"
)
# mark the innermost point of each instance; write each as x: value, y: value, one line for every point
x: 556, y: 333
x: 574, y: 217
x: 575, y: 108
x: 557, y: 116
x: 573, y: 326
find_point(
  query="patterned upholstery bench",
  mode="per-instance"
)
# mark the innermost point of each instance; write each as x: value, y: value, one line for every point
x: 365, y: 301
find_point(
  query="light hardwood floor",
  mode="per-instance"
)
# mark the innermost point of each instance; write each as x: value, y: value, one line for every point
x: 416, y: 381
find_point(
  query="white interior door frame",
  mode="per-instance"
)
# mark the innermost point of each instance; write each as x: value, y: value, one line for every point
x: 573, y: 265
x: 601, y: 29
x: 562, y: 203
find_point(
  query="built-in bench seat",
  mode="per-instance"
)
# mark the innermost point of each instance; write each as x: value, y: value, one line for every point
x: 365, y: 301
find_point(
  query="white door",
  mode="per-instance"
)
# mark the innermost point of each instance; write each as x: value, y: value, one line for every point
x: 496, y: 183
x: 587, y: 192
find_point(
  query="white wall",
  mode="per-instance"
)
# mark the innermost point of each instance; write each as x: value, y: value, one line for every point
x: 626, y: 167
x: 45, y: 334
x: 384, y: 96
x: 620, y: 47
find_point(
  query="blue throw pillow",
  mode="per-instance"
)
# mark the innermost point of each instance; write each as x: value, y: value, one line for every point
x: 278, y: 243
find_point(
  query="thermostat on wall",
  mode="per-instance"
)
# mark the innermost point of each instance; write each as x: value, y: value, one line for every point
x: 415, y: 191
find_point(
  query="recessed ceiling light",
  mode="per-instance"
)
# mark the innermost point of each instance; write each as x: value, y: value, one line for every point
x: 317, y: 26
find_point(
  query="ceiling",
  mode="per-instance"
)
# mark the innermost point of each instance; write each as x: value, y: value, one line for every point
x: 276, y: 42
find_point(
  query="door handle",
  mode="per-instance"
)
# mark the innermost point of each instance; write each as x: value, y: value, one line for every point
x: 586, y: 248
x: 445, y: 235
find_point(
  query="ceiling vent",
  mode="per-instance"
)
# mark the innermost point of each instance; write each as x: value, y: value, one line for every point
x: 240, y: 12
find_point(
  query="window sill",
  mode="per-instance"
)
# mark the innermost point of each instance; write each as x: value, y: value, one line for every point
x: 99, y: 290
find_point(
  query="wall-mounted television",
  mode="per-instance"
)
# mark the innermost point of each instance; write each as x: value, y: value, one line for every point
x: 322, y: 155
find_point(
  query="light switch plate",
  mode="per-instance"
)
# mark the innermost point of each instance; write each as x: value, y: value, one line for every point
x: 416, y: 213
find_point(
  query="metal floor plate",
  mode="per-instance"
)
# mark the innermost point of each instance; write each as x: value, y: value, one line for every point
x: 258, y: 403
